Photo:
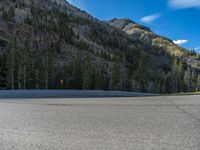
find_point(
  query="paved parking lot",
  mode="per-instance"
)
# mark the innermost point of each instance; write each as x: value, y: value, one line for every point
x: 139, y: 123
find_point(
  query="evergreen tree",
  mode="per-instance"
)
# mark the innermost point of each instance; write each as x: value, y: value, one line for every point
x: 34, y: 12
x: 134, y: 83
x: 187, y: 79
x: 169, y: 84
x: 11, y: 62
x: 175, y: 74
x: 38, y: 69
x: 160, y: 83
x: 77, y: 73
x: 116, y: 76
x: 46, y: 68
x: 52, y: 69
x: 3, y: 72
x: 9, y: 14
x: 198, y: 82
x: 101, y: 79
x: 141, y: 74
x: 88, y: 74
x: 180, y: 77
x: 25, y: 62
x: 193, y: 81
x: 19, y: 60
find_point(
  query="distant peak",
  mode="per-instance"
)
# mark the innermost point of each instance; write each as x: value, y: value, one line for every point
x: 127, y: 23
x: 122, y: 20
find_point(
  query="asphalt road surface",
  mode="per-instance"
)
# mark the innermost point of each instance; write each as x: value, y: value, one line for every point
x: 139, y: 123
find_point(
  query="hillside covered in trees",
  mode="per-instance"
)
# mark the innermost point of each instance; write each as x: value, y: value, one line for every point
x: 53, y: 45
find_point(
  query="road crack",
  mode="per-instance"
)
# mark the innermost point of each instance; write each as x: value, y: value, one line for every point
x: 183, y: 110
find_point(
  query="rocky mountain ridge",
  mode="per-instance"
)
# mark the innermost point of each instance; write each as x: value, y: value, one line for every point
x: 52, y: 44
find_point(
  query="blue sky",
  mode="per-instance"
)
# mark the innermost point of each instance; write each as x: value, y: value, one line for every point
x: 178, y: 20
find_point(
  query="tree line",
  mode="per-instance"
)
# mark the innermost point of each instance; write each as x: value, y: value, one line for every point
x: 24, y: 68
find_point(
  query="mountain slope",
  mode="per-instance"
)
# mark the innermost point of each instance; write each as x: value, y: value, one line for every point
x: 51, y: 44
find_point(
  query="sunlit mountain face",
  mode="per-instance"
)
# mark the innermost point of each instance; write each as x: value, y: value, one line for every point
x: 175, y: 19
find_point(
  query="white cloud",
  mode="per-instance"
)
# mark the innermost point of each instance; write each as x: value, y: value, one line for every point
x: 182, y: 4
x: 180, y: 42
x: 150, y: 18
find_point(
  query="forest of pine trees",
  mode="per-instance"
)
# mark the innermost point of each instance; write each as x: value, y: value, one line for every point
x: 22, y: 67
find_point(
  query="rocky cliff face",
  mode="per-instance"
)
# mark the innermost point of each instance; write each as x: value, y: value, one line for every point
x: 45, y: 42
x: 128, y: 25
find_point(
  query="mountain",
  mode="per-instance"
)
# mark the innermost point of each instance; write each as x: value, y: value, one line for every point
x: 52, y: 44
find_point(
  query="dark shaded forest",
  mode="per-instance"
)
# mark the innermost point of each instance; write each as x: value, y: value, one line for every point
x: 128, y: 67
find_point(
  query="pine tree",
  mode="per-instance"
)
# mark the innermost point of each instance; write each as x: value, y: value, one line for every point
x: 101, y: 79
x: 5, y: 15
x: 175, y: 74
x: 187, y: 79
x: 98, y: 83
x: 3, y: 72
x: 180, y: 77
x: 37, y: 68
x: 161, y: 82
x: 11, y: 62
x: 169, y: 78
x: 46, y: 68
x: 52, y: 70
x: 19, y: 60
x: 194, y: 80
x: 198, y: 82
x: 25, y: 59
x: 88, y: 74
x: 77, y: 73
x: 141, y: 74
x: 9, y: 14
x: 116, y: 76
x: 34, y: 12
